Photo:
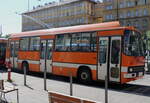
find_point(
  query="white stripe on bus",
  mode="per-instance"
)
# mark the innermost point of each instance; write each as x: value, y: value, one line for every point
x: 29, y: 61
x: 124, y: 69
x: 72, y: 65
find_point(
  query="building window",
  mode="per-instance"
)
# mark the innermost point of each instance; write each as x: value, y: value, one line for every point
x: 132, y: 14
x: 136, y: 13
x: 145, y: 23
x: 121, y: 15
x: 128, y: 13
x: 145, y: 12
x: 121, y: 5
x: 35, y: 43
x: 109, y: 7
x: 24, y: 44
x: 136, y: 3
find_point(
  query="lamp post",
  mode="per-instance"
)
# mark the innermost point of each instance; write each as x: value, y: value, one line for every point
x: 29, y: 4
x: 117, y: 10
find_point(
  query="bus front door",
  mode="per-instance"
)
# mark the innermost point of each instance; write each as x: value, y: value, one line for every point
x: 109, y: 58
x: 46, y: 55
x: 14, y: 46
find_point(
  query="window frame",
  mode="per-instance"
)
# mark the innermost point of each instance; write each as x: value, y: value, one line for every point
x: 80, y: 33
x: 20, y: 44
x: 30, y: 43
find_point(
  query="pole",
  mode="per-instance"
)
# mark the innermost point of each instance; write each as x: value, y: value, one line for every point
x: 28, y: 5
x: 117, y: 10
x: 106, y: 89
x: 45, y: 69
x: 9, y: 72
x: 25, y: 74
x: 71, y: 87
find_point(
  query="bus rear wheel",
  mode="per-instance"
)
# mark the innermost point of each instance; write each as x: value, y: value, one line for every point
x: 84, y: 75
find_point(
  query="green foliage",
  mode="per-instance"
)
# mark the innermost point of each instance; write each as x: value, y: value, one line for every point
x: 5, y: 36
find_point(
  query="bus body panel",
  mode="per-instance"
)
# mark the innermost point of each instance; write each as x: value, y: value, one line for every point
x: 29, y: 55
x: 132, y: 61
x: 75, y: 57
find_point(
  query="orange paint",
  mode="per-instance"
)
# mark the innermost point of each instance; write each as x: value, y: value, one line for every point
x: 34, y: 67
x: 14, y: 39
x: 29, y: 55
x: 125, y: 80
x: 47, y: 37
x: 111, y: 32
x: 132, y: 61
x: 94, y: 75
x: 64, y: 71
x: 75, y: 57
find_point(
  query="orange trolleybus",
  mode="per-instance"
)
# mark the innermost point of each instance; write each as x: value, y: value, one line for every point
x: 3, y: 42
x: 89, y: 52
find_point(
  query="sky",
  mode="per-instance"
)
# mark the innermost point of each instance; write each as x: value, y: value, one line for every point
x: 9, y: 20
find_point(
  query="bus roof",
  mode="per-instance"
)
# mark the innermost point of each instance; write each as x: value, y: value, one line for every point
x: 70, y: 29
x: 3, y: 40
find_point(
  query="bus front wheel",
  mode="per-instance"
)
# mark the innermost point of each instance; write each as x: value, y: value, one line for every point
x: 84, y: 75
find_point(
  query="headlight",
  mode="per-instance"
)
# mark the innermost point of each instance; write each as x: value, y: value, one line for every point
x: 130, y: 69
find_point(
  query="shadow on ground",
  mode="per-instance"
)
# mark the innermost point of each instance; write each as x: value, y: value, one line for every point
x: 126, y: 88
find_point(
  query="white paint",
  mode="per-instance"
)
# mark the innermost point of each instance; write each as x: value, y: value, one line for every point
x: 73, y: 65
x: 102, y: 67
x: 114, y: 65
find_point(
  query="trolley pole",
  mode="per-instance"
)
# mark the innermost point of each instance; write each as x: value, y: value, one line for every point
x: 71, y: 86
x: 106, y: 89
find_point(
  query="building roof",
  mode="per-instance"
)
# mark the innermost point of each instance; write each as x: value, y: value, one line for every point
x: 54, y: 4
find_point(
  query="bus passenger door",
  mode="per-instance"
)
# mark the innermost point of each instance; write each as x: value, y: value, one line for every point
x: 103, y: 57
x: 115, y: 56
x: 46, y: 55
x: 109, y: 54
x: 14, y: 46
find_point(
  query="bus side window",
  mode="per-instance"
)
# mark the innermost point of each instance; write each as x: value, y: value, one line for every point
x: 35, y: 43
x: 103, y: 51
x: 115, y: 51
x: 63, y: 42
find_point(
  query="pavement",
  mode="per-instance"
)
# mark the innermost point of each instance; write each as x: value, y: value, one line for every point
x: 134, y: 92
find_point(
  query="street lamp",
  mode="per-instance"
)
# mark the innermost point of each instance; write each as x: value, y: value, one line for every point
x: 29, y: 4
x: 117, y: 9
x: 35, y: 20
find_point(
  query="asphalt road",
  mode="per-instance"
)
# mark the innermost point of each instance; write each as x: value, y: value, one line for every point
x: 133, y: 92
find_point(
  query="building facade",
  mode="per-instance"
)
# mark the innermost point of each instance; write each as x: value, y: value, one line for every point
x: 129, y: 12
x: 63, y: 13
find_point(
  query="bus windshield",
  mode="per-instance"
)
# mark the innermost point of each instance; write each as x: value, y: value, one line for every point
x: 133, y: 44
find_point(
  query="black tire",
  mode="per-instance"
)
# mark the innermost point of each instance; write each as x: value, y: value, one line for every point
x: 84, y: 75
x: 25, y: 66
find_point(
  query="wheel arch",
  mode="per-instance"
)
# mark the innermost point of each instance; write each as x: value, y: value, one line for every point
x: 80, y: 68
